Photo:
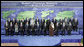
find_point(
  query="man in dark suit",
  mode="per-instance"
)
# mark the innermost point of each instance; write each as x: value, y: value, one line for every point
x: 32, y: 23
x: 54, y: 21
x: 11, y: 28
x: 56, y: 28
x: 27, y: 20
x: 60, y: 24
x: 42, y: 24
x: 27, y: 28
x: 75, y: 26
x: 47, y: 24
x: 66, y: 24
x: 23, y: 23
x: 9, y: 20
x: 63, y: 28
x: 13, y: 21
x: 38, y: 28
x: 6, y: 28
x: 44, y: 29
x: 36, y: 20
x: 69, y: 28
x: 21, y: 29
x: 72, y: 22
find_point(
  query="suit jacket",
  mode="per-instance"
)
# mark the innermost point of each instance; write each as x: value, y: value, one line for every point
x: 56, y: 28
x: 42, y: 23
x: 48, y: 23
x: 36, y: 20
x: 69, y: 28
x: 63, y: 28
x: 54, y: 21
x: 21, y: 28
x: 6, y: 27
x: 26, y: 27
x: 75, y: 23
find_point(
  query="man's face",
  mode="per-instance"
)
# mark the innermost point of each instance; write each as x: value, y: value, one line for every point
x: 75, y: 19
x: 13, y: 19
x: 27, y: 22
x: 17, y: 19
x: 27, y: 18
x: 72, y: 18
x: 6, y: 23
x: 57, y: 23
x: 69, y: 23
x: 9, y: 19
x: 11, y: 23
x: 37, y: 18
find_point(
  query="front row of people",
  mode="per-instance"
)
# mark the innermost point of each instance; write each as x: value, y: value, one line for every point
x: 33, y: 27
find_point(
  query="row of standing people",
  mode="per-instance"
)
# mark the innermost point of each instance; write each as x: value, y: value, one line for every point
x: 36, y: 25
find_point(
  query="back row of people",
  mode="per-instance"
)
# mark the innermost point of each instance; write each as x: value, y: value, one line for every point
x: 36, y: 25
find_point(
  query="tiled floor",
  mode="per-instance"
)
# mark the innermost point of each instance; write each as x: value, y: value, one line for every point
x: 71, y: 44
x: 9, y: 44
x: 62, y: 44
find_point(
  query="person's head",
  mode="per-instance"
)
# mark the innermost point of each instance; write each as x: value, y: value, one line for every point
x: 53, y: 18
x: 17, y: 19
x: 71, y: 18
x: 6, y: 23
x: 11, y: 23
x: 16, y: 23
x: 57, y: 23
x: 22, y: 19
x: 37, y: 17
x: 63, y: 23
x: 61, y: 19
x: 27, y: 18
x: 65, y: 17
x: 65, y: 20
x: 32, y: 18
x: 27, y: 22
x: 13, y: 19
x: 70, y: 23
x: 21, y: 23
x: 45, y: 23
x: 75, y: 19
x: 8, y: 19
x: 51, y: 23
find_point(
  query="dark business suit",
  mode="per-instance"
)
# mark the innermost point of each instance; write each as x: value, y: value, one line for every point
x: 54, y: 21
x: 42, y: 24
x: 44, y: 28
x: 6, y: 29
x: 47, y: 24
x: 69, y: 29
x: 27, y: 29
x: 56, y: 29
x: 11, y: 31
x: 21, y: 29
